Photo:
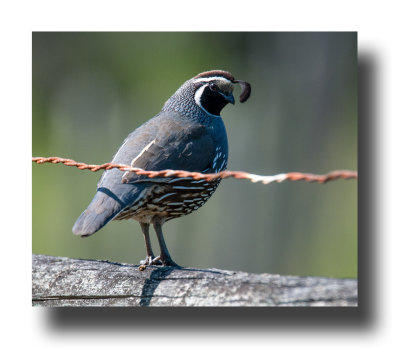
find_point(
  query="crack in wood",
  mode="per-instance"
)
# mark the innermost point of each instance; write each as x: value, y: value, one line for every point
x: 94, y: 297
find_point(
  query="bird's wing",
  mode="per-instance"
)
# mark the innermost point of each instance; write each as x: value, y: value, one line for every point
x: 177, y: 146
x: 164, y: 142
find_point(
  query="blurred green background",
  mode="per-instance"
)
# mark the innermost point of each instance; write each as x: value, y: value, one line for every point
x: 91, y: 89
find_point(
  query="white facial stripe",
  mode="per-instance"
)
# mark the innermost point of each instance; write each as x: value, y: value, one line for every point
x: 201, y: 80
x: 197, y: 97
x: 200, y: 90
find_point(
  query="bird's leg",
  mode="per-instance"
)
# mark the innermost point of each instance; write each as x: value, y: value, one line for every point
x: 164, y: 257
x: 150, y: 255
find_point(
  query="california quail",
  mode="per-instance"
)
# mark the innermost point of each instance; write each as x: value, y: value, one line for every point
x: 188, y: 134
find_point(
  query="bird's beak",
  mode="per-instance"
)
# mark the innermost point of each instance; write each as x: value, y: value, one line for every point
x: 229, y: 98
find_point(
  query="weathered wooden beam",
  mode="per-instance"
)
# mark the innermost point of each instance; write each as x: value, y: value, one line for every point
x: 58, y: 281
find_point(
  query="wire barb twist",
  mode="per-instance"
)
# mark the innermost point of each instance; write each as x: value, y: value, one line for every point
x: 292, y: 176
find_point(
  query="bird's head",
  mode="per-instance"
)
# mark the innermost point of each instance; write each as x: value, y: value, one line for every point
x: 212, y: 91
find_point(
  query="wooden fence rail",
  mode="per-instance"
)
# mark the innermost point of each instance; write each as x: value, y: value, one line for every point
x: 59, y: 281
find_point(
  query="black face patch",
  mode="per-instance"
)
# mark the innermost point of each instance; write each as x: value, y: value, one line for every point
x: 212, y: 101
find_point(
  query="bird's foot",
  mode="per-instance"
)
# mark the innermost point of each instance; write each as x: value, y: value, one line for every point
x: 166, y: 261
x: 158, y: 261
x: 150, y: 260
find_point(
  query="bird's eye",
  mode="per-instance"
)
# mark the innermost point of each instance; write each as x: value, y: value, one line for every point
x: 213, y: 87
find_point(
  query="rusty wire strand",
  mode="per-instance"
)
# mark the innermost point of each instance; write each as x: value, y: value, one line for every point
x: 292, y: 176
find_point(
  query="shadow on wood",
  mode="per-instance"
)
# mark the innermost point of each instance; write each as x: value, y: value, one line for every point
x: 58, y: 281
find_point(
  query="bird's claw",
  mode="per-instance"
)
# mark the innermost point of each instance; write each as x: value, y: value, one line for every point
x: 167, y: 261
x: 158, y: 261
x: 150, y: 260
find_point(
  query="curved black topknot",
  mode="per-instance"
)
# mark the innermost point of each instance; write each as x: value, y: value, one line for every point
x: 246, y: 90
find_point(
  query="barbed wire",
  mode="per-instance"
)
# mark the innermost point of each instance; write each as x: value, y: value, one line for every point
x: 265, y: 179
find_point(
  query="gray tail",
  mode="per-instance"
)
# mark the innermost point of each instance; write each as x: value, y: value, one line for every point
x: 100, y: 211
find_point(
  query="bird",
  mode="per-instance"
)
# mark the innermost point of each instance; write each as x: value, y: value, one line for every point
x: 187, y: 134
